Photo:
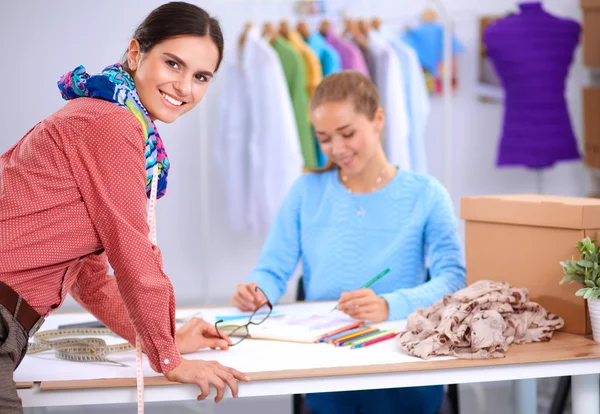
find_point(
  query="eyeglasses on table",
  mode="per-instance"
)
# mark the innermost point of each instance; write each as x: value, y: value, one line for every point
x: 237, y: 333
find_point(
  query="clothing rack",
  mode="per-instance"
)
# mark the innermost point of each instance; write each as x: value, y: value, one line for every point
x: 205, y: 118
x: 445, y: 20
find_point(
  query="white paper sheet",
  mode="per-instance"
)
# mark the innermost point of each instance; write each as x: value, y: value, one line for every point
x: 248, y: 356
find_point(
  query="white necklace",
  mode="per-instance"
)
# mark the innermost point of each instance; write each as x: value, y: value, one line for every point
x: 378, y: 181
x: 361, y: 211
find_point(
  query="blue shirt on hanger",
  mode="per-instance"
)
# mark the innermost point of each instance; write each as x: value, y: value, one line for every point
x: 427, y: 40
x: 331, y: 62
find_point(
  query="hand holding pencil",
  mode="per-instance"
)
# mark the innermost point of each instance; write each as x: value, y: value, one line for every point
x: 364, y: 304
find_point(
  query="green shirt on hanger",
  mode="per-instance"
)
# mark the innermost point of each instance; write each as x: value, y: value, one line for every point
x: 295, y: 76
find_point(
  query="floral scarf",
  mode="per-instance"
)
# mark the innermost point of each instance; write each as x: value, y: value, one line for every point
x: 114, y: 84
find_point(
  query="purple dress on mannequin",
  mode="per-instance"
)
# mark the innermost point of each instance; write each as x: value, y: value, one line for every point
x: 531, y: 53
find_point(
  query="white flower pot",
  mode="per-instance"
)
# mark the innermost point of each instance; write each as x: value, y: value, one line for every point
x: 594, y: 308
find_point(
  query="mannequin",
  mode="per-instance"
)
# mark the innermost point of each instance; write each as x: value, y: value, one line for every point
x: 531, y: 52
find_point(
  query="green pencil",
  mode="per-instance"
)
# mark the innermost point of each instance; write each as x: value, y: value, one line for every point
x: 370, y: 282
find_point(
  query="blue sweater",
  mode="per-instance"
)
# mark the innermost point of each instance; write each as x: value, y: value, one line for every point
x: 346, y: 239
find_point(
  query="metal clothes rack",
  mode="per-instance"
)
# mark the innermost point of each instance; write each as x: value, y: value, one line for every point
x: 444, y: 19
x: 447, y: 93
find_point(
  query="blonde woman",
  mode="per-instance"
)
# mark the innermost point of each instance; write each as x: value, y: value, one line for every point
x: 349, y: 221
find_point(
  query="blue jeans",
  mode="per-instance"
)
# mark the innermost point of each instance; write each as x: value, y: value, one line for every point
x: 413, y: 400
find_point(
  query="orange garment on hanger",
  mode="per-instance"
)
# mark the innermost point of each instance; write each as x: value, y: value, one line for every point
x: 314, y: 71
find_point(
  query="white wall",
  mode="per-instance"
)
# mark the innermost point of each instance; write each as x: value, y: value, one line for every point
x: 40, y: 40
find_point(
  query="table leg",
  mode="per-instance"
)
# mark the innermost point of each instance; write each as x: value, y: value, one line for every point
x: 585, y: 394
x: 525, y: 396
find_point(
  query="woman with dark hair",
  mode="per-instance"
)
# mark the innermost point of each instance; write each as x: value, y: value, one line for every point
x: 74, y: 193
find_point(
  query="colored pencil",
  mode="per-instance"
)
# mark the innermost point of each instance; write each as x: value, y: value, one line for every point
x: 370, y: 282
x: 352, y: 335
x: 342, y: 334
x: 377, y: 335
x: 361, y: 338
x: 340, y: 330
x: 375, y: 340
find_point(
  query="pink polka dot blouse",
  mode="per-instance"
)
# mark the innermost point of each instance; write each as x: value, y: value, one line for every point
x: 72, y: 195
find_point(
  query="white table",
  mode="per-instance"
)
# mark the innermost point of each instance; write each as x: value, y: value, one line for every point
x: 316, y: 368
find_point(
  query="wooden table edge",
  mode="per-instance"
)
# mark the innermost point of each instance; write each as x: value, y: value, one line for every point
x: 563, y: 347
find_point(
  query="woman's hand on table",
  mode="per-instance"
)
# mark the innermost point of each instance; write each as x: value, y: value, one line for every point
x: 246, y: 298
x: 364, y: 304
x: 207, y: 373
x: 196, y: 334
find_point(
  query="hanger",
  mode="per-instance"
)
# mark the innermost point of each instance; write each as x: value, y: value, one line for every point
x: 347, y: 23
x: 269, y: 32
x: 303, y: 29
x: 244, y: 34
x: 376, y: 23
x: 356, y: 33
x: 324, y: 26
x: 429, y: 15
x: 284, y: 28
x: 364, y: 26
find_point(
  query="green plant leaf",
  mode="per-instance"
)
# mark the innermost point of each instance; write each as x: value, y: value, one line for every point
x: 590, y: 284
x: 573, y: 279
x: 581, y: 292
x: 588, y: 293
x: 585, y: 263
x: 589, y: 245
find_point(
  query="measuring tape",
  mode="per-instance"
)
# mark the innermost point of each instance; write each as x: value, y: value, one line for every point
x: 138, y: 343
x: 78, y: 349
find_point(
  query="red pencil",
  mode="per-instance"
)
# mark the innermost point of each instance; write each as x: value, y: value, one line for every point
x: 376, y: 340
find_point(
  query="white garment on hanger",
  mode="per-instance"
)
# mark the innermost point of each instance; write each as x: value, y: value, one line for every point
x: 231, y: 144
x: 388, y: 79
x: 274, y: 147
x: 418, y: 104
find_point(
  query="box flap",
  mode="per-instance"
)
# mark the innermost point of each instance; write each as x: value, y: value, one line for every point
x: 590, y: 4
x: 533, y: 210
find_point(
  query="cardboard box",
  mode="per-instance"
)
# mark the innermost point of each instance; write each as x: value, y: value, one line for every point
x: 591, y: 32
x: 520, y: 239
x: 591, y: 126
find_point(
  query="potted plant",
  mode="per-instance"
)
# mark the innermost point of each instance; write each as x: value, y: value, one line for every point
x: 586, y: 271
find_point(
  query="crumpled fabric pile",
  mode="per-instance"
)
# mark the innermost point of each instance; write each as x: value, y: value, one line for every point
x: 479, y: 321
